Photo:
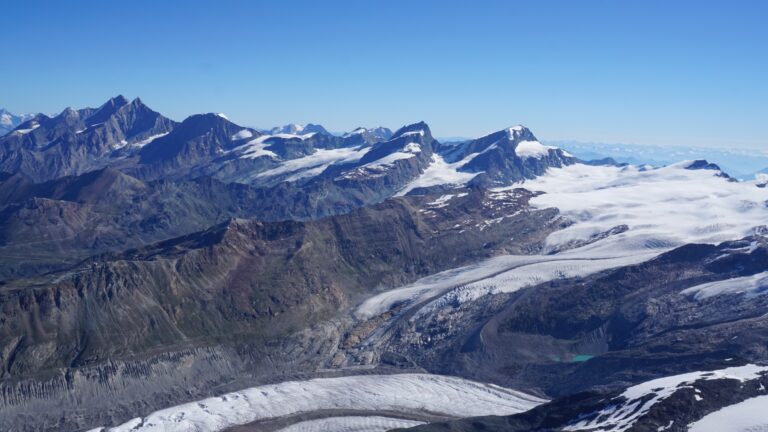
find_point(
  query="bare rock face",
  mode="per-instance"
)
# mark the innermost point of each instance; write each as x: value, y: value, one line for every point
x: 166, y: 312
x: 77, y: 141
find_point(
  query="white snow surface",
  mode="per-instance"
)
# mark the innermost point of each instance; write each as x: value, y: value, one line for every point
x: 663, y: 207
x: 531, y: 149
x: 440, y: 172
x: 26, y: 131
x: 750, y: 415
x: 404, y: 393
x: 408, y: 151
x: 243, y: 134
x: 419, y: 132
x: 444, y: 199
x: 496, y: 275
x: 315, y: 163
x: 256, y: 148
x: 148, y: 140
x: 351, y: 424
x: 750, y: 285
x: 618, y: 418
x: 293, y: 136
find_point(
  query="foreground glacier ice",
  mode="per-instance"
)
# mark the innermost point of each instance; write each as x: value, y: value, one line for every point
x: 407, y: 394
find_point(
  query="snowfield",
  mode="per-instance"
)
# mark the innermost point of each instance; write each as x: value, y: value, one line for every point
x: 668, y: 206
x: 750, y: 285
x: 532, y: 149
x: 440, y: 172
x: 748, y: 416
x: 663, y: 208
x: 316, y: 162
x: 411, y: 394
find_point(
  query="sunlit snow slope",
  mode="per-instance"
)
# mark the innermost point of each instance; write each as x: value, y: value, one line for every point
x: 406, y: 393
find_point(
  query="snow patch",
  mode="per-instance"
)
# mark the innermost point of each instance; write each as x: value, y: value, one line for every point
x: 750, y: 285
x: 315, y: 163
x: 440, y: 172
x: 531, y: 149
x: 256, y: 148
x: 243, y: 134
x: 148, y: 140
x: 443, y: 200
x: 419, y: 132
x: 26, y: 131
x: 746, y: 416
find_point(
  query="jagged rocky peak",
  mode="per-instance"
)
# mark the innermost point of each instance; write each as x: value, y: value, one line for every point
x: 108, y: 109
x: 201, y: 124
x: 378, y: 133
x: 79, y: 140
x: 196, y: 141
x: 421, y: 129
x: 519, y: 132
x: 702, y: 164
x: 505, y: 156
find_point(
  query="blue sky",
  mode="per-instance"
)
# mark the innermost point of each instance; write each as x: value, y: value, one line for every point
x: 656, y: 72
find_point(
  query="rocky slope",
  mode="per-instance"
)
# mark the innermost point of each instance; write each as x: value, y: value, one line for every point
x: 184, y: 303
x: 77, y: 141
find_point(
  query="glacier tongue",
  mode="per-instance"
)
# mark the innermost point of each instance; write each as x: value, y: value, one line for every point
x: 408, y: 394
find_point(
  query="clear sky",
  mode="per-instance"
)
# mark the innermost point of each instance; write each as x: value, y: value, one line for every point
x: 650, y: 71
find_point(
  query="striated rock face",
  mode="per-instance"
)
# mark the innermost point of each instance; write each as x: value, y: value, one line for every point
x: 164, y: 312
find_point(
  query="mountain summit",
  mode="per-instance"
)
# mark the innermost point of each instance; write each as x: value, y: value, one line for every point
x: 297, y: 129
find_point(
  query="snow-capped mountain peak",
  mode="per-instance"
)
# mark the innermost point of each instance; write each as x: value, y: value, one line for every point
x: 298, y: 129
x: 378, y: 133
x: 420, y: 128
x: 9, y: 120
